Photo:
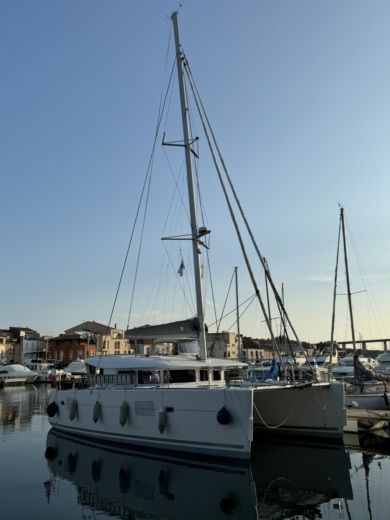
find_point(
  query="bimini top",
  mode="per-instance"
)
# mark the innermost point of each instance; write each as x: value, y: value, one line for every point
x: 160, y: 362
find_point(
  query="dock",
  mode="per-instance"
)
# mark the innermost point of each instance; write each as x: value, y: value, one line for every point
x: 359, y: 419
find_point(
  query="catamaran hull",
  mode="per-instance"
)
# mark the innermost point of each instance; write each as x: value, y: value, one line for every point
x: 312, y: 410
x: 182, y: 420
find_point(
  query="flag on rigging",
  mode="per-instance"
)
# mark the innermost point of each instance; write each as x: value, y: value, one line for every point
x: 181, y: 268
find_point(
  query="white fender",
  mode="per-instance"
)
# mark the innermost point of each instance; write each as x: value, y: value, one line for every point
x: 162, y: 420
x: 97, y: 412
x: 124, y: 413
x: 73, y: 409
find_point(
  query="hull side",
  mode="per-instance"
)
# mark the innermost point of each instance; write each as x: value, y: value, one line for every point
x: 183, y: 420
x: 316, y: 410
x: 367, y: 401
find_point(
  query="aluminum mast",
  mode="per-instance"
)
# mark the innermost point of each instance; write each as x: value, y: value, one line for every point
x: 347, y: 276
x: 191, y: 192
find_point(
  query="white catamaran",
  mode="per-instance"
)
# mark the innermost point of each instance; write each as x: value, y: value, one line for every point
x: 186, y: 402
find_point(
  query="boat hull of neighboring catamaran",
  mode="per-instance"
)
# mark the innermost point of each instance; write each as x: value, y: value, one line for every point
x: 178, y: 419
x: 310, y: 410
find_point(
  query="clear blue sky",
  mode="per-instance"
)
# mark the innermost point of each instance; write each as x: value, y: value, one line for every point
x: 298, y: 94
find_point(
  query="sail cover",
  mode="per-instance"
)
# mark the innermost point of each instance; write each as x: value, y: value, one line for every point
x: 185, y: 329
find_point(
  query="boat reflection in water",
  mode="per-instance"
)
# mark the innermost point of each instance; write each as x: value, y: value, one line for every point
x: 296, y: 479
x: 279, y: 481
x: 18, y: 406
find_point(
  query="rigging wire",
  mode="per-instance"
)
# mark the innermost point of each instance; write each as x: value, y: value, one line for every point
x: 139, y: 252
x: 157, y: 278
x: 148, y: 173
x: 191, y: 307
x: 211, y: 286
x: 253, y: 296
x: 377, y: 317
x: 243, y: 312
x: 223, y: 310
x: 157, y: 297
x: 177, y: 189
x: 204, y: 118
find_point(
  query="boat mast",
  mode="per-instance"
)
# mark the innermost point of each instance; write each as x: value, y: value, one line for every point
x: 191, y: 192
x: 239, y: 345
x: 347, y: 276
x: 334, y: 295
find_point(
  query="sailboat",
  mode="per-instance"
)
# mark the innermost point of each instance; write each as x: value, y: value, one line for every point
x: 363, y: 387
x: 185, y: 402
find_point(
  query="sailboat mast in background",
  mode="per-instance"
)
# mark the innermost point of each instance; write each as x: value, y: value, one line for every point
x: 347, y: 276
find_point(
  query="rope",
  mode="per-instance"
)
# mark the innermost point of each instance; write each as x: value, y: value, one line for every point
x: 283, y: 422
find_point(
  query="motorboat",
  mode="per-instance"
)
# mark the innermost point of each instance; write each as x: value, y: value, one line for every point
x: 345, y: 368
x: 41, y: 368
x: 17, y: 374
x: 76, y: 368
x: 383, y: 363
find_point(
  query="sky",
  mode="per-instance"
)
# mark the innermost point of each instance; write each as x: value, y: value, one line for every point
x: 297, y: 93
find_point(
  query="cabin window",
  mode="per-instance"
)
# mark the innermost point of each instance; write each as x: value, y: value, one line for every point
x: 148, y: 377
x: 216, y: 375
x: 204, y: 375
x: 130, y: 373
x: 181, y: 376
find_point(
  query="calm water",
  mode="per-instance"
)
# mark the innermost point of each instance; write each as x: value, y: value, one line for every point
x: 81, y: 481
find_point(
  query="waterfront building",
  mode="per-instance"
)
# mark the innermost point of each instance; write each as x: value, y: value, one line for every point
x: 108, y: 340
x: 222, y: 345
x: 21, y: 345
x: 65, y: 348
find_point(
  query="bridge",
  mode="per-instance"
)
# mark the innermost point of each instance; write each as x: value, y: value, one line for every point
x: 363, y: 343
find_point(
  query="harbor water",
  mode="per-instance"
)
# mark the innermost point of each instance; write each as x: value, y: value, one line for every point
x: 47, y: 475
